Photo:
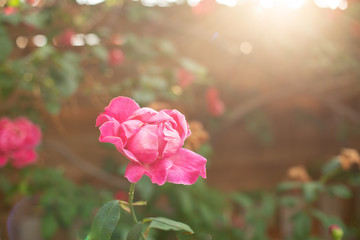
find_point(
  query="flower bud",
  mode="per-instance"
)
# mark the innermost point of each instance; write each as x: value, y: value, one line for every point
x: 336, y: 232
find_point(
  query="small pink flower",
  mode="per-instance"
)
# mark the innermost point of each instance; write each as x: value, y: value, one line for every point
x: 116, y: 57
x: 152, y: 141
x: 184, y: 77
x: 215, y: 105
x: 18, y: 139
x: 10, y: 10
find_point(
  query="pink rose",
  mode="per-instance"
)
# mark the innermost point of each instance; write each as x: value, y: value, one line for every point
x: 18, y: 139
x: 152, y: 141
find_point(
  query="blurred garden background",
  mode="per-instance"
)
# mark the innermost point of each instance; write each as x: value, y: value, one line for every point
x: 270, y: 89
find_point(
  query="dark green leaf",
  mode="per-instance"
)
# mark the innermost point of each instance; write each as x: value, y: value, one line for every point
x: 167, y: 224
x: 105, y: 221
x: 135, y: 232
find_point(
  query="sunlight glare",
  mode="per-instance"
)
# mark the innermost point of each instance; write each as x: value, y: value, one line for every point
x: 22, y: 42
x: 78, y: 40
x: 39, y: 40
x: 295, y: 4
x: 89, y: 2
x: 229, y: 3
x: 246, y: 47
x: 267, y: 3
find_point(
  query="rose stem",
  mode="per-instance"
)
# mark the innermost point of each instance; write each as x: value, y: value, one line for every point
x: 131, y: 198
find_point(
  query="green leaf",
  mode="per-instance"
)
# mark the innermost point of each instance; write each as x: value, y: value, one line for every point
x: 49, y: 226
x: 302, y: 225
x: 167, y: 224
x: 6, y: 45
x: 135, y: 232
x: 285, y: 186
x: 105, y: 221
x: 242, y: 199
x: 340, y: 190
x: 331, y: 166
x: 311, y: 190
x: 289, y: 201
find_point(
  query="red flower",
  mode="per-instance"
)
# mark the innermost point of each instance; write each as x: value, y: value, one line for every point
x: 18, y: 140
x: 116, y: 57
x: 184, y: 77
x: 215, y: 105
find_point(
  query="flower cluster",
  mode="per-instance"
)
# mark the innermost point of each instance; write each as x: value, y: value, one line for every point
x: 18, y: 139
x: 152, y: 141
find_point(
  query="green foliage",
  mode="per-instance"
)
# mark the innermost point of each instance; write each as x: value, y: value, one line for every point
x: 105, y: 221
x: 135, y: 232
x: 49, y: 226
x: 167, y: 224
x: 302, y: 226
x: 6, y: 44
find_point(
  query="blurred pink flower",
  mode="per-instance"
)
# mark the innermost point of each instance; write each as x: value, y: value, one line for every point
x: 121, y: 195
x: 215, y: 105
x: 18, y: 138
x: 64, y: 39
x: 184, y: 77
x: 116, y: 57
x: 204, y: 7
x: 152, y: 141
x: 10, y: 10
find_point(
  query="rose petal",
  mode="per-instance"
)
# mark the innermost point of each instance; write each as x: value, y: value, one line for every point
x: 186, y: 168
x: 182, y: 126
x: 23, y: 158
x: 170, y: 141
x: 143, y: 114
x: 32, y: 133
x: 160, y: 117
x: 144, y: 144
x: 157, y: 172
x: 131, y: 127
x: 134, y: 172
x: 109, y: 132
x: 121, y: 108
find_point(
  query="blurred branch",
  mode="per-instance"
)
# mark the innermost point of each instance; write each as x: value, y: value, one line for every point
x: 84, y: 165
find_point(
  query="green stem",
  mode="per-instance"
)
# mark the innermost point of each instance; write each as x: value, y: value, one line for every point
x: 131, y: 198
